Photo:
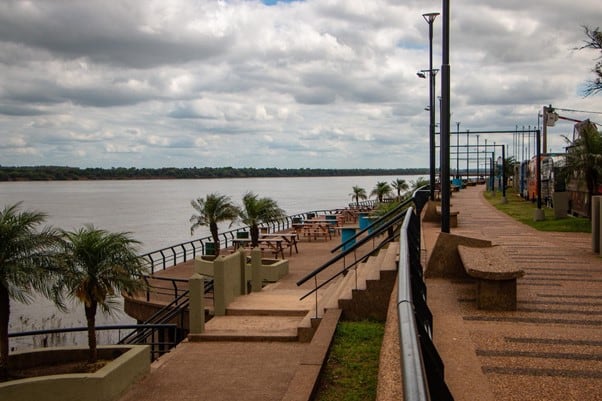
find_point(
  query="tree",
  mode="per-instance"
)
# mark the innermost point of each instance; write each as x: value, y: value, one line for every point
x: 399, y: 185
x: 214, y: 209
x: 584, y: 157
x: 358, y: 194
x: 381, y: 190
x: 594, y: 41
x: 257, y: 210
x: 420, y: 182
x: 26, y: 262
x: 96, y: 267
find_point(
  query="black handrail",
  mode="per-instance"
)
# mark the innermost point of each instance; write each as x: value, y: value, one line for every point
x: 421, y: 365
x: 377, y: 231
x: 182, y: 252
x: 385, y: 216
x: 154, y: 327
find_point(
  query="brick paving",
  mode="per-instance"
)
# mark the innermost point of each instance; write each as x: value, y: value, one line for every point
x: 550, y: 348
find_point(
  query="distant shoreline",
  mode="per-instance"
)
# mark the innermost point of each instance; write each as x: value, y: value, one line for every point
x: 60, y: 173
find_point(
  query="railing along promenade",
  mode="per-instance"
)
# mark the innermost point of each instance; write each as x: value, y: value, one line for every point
x: 172, y: 255
x: 421, y: 366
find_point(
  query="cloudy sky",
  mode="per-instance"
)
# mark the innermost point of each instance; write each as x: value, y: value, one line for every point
x: 249, y: 83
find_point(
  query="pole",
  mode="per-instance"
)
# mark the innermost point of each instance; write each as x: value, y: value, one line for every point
x: 467, y: 157
x: 478, y: 150
x: 457, y: 149
x: 539, y: 215
x: 445, y: 117
x: 504, y: 174
x: 430, y: 19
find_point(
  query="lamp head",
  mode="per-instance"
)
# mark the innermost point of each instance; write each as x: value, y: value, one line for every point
x: 421, y: 74
x: 430, y: 17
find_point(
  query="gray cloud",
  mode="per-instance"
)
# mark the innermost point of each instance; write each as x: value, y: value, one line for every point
x: 305, y: 84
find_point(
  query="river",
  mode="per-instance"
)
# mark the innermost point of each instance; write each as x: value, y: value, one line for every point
x: 157, y: 213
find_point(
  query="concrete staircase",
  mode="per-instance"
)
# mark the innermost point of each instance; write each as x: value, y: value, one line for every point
x: 278, y: 314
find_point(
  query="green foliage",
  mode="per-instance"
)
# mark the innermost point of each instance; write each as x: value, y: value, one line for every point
x: 96, y: 267
x: 26, y: 263
x: 524, y: 211
x: 594, y: 41
x: 358, y: 194
x: 212, y: 210
x: 400, y: 185
x: 351, y: 372
x: 46, y: 173
x: 257, y: 210
x: 381, y: 190
x: 420, y: 182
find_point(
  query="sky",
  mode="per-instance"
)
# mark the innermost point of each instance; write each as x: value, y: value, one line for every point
x: 286, y: 84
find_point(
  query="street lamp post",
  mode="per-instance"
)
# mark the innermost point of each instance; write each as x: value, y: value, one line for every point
x: 430, y: 19
x: 445, y: 120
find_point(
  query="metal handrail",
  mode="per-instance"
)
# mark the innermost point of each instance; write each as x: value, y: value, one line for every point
x: 170, y: 256
x: 161, y: 350
x: 421, y: 366
x: 377, y: 231
x: 385, y: 216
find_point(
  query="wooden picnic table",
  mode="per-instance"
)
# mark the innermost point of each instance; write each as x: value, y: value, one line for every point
x: 289, y: 238
x: 274, y: 244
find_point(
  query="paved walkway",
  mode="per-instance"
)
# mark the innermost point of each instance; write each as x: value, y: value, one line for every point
x: 240, y: 370
x: 551, y: 347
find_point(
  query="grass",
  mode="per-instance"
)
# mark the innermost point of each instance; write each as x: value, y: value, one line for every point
x: 351, y: 372
x: 524, y: 211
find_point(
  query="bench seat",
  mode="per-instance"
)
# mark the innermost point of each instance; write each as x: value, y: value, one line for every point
x: 495, y: 274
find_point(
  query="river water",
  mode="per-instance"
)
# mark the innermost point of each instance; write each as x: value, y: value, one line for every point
x: 157, y: 213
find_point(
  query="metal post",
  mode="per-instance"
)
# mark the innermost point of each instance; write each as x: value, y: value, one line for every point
x: 478, y: 150
x: 539, y: 215
x: 430, y: 19
x: 458, y: 149
x: 445, y: 117
x: 504, y: 200
x: 467, y: 157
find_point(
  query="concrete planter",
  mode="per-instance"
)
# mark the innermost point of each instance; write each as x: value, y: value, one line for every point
x: 272, y: 270
x: 106, y: 384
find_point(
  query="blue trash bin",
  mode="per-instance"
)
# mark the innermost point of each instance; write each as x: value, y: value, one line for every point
x: 346, y: 233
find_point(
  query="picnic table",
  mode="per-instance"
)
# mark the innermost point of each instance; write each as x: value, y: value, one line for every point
x: 272, y: 244
x: 290, y: 240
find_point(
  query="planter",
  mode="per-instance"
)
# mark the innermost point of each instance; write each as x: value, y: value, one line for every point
x: 106, y: 384
x: 272, y: 270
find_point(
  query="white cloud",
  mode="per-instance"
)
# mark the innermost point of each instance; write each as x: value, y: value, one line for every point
x: 317, y: 83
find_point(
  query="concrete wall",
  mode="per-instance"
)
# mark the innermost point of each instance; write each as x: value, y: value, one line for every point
x: 229, y: 278
x: 107, y: 384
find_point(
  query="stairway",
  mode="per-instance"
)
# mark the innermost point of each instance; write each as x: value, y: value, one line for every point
x: 279, y: 314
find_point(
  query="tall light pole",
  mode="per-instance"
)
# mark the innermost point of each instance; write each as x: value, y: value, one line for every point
x: 478, y: 150
x: 457, y: 149
x: 445, y: 120
x: 430, y: 19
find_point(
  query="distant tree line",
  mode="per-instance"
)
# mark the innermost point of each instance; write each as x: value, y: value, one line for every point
x: 61, y: 173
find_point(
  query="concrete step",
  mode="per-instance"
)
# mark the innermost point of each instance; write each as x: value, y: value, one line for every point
x: 250, y: 328
x: 277, y: 302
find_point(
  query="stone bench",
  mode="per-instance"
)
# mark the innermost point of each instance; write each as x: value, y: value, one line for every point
x: 495, y: 274
x: 453, y: 216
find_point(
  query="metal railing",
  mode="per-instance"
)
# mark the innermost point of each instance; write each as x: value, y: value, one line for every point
x: 421, y: 366
x: 157, y: 347
x: 185, y: 251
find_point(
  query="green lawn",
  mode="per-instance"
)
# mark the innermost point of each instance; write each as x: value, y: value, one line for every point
x: 351, y: 372
x: 524, y: 211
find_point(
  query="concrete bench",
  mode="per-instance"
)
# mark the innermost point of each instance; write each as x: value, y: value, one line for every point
x: 496, y: 276
x: 453, y: 216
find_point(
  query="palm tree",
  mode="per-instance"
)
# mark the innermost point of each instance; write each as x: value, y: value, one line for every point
x: 584, y: 157
x: 399, y: 185
x: 96, y: 267
x: 26, y: 262
x: 213, y: 209
x: 256, y: 211
x: 358, y: 194
x: 420, y: 182
x: 381, y: 190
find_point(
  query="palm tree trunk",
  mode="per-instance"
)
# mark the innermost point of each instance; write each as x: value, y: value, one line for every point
x: 254, y: 235
x: 91, y: 321
x: 4, y: 318
x: 214, y: 235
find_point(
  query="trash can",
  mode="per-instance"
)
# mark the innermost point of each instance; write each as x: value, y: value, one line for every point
x: 346, y: 234
x: 209, y: 248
